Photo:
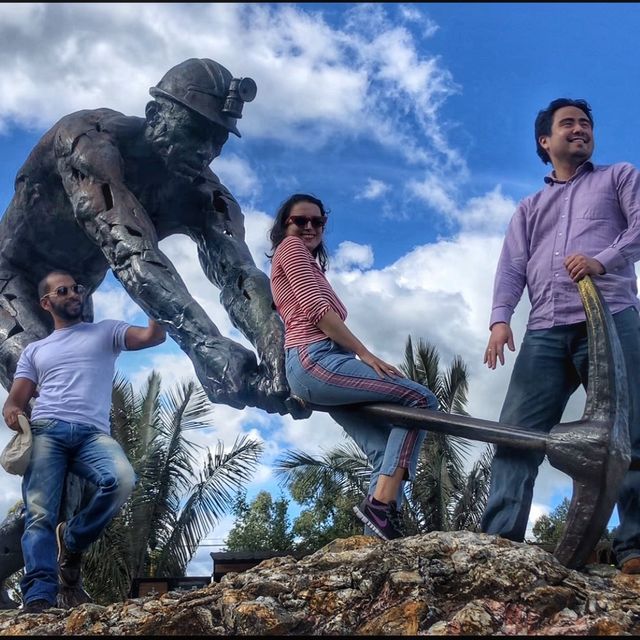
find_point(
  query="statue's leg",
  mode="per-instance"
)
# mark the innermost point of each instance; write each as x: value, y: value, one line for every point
x: 22, y: 320
x: 11, y: 560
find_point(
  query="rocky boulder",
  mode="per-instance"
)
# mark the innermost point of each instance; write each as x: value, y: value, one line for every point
x: 441, y: 583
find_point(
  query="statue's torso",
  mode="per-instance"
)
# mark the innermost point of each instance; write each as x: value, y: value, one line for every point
x: 39, y: 226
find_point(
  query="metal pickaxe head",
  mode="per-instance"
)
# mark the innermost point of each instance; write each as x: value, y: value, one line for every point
x: 594, y: 451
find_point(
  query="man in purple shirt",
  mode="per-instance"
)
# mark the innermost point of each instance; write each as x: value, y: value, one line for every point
x: 585, y: 221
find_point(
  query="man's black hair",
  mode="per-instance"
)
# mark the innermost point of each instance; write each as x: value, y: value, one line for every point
x: 544, y: 120
x: 43, y: 285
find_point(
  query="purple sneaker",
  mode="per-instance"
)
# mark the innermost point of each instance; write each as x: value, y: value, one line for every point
x: 383, y: 519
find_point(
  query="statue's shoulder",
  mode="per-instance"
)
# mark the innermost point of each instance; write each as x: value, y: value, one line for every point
x: 104, y: 125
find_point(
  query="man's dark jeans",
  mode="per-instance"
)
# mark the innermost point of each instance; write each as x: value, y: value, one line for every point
x: 552, y: 363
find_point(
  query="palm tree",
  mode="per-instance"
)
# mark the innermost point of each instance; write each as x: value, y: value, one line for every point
x: 180, y: 495
x: 443, y: 497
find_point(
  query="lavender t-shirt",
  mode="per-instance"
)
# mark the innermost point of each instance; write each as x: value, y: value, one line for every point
x: 73, y: 368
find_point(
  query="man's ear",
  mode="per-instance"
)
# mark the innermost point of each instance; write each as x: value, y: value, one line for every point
x: 152, y: 113
x: 544, y: 142
x: 44, y: 303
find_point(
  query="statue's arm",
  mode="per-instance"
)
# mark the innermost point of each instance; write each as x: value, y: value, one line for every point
x: 245, y: 290
x: 92, y: 174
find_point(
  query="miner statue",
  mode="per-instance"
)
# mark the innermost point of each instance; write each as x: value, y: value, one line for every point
x: 97, y: 193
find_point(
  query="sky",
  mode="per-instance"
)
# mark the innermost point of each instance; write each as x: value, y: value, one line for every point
x: 412, y: 122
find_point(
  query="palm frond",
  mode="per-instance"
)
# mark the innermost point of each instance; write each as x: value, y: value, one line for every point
x: 427, y: 362
x: 344, y: 469
x: 408, y: 366
x: 472, y: 500
x: 208, y: 500
x: 106, y: 565
x: 147, y: 408
x: 455, y: 385
x: 122, y: 415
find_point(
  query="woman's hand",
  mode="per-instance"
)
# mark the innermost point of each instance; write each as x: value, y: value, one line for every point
x: 382, y: 368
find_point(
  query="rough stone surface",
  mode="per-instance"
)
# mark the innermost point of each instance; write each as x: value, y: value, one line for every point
x: 455, y: 583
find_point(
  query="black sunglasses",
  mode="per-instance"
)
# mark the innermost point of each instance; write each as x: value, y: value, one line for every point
x: 64, y: 291
x: 301, y: 221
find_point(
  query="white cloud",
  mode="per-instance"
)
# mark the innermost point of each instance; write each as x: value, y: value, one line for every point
x: 487, y: 213
x: 113, y: 302
x: 373, y: 189
x: 434, y: 192
x: 316, y: 82
x: 258, y: 225
x: 352, y: 255
x: 237, y: 175
x: 409, y: 13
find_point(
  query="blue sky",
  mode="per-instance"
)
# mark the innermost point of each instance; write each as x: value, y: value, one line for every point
x: 413, y: 123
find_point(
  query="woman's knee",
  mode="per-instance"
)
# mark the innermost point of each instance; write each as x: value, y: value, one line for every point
x: 426, y: 399
x: 430, y: 399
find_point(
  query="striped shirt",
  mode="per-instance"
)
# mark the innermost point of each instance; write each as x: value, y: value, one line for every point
x: 301, y: 292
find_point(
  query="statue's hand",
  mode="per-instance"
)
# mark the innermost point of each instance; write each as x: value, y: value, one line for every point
x: 297, y: 408
x: 269, y: 391
x: 224, y: 369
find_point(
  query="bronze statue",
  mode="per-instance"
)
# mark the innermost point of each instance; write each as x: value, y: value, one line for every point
x: 98, y: 192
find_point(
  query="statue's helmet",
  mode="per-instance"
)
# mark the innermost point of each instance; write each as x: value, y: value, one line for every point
x: 207, y: 88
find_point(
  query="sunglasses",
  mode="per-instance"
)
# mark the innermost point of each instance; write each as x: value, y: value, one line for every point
x: 317, y: 222
x: 63, y: 291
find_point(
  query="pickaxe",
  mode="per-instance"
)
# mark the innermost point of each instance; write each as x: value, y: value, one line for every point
x: 594, y: 451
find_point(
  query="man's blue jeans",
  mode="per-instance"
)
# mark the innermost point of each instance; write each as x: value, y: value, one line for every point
x: 89, y: 453
x: 552, y: 363
x: 324, y: 373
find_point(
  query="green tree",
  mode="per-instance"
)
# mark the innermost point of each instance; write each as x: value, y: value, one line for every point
x: 548, y: 529
x: 183, y: 489
x: 262, y: 525
x: 327, y: 486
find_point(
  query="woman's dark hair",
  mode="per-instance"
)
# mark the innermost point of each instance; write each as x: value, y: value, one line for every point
x: 279, y: 229
x: 544, y: 120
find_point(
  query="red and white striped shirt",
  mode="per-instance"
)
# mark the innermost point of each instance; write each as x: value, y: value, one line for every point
x: 301, y: 292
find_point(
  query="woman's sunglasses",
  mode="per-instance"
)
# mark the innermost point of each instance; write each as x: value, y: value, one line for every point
x: 317, y: 222
x: 63, y: 291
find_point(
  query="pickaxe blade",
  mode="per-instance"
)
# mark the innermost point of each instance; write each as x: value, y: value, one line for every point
x: 593, y: 451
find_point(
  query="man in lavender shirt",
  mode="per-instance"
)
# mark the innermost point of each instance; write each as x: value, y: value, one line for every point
x: 585, y: 221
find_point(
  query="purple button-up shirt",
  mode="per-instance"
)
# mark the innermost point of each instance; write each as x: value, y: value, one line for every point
x: 596, y: 213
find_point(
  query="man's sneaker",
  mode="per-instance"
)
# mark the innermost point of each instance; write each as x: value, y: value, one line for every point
x: 383, y: 519
x: 69, y: 563
x: 36, y: 606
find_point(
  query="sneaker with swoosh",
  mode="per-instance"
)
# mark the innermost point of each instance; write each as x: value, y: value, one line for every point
x: 384, y: 520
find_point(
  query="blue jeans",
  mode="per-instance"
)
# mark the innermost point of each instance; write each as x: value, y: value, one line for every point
x: 552, y: 363
x: 90, y: 453
x: 324, y: 373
